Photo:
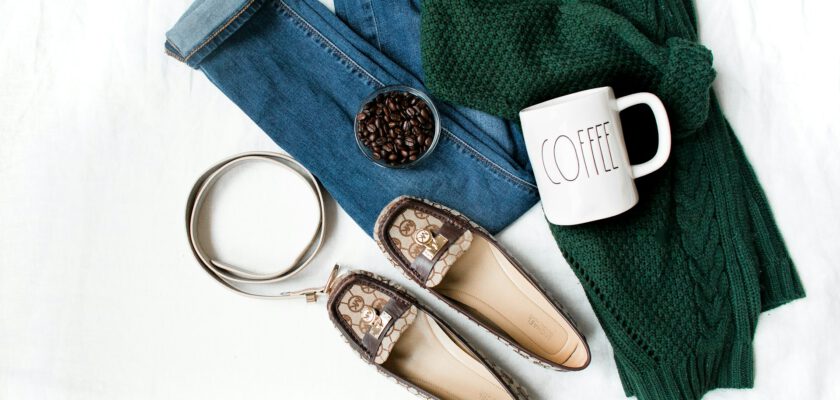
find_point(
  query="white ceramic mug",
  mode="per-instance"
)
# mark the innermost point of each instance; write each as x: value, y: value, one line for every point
x: 577, y: 151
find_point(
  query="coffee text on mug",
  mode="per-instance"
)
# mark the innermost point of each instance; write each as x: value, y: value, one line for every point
x: 595, y: 152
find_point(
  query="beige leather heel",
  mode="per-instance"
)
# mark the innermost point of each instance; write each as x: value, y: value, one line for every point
x: 468, y: 269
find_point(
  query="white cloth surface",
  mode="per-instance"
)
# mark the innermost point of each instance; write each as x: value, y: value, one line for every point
x: 102, y: 136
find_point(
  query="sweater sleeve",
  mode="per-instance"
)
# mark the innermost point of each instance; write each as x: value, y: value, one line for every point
x: 500, y: 57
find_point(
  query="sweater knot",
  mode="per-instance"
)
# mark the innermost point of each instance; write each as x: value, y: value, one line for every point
x: 686, y: 85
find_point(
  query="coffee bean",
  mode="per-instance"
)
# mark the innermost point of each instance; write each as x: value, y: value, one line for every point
x: 396, y: 126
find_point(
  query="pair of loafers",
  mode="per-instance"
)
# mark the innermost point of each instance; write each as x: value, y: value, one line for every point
x: 465, y: 267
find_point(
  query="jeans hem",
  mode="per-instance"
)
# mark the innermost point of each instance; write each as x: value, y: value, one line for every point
x: 194, y: 56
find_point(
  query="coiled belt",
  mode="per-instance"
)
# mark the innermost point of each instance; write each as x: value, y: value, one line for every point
x: 229, y: 275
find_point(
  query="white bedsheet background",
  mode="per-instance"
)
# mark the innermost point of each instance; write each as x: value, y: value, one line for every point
x: 101, y: 137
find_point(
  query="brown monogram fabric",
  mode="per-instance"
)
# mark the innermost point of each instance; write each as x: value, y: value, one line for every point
x: 402, y: 233
x: 355, y: 299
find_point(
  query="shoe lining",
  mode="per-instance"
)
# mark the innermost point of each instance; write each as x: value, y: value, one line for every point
x: 433, y: 360
x: 485, y: 281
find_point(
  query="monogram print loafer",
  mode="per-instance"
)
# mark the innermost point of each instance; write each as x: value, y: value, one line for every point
x: 410, y: 344
x: 463, y: 265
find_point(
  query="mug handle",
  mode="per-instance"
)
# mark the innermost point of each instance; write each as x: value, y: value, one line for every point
x: 663, y: 127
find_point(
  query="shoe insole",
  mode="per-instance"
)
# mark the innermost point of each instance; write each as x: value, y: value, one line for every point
x: 485, y: 281
x: 427, y: 356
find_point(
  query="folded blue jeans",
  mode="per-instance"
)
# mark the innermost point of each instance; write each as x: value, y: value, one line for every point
x: 301, y: 72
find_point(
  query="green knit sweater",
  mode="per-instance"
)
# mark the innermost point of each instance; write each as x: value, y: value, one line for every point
x: 677, y: 282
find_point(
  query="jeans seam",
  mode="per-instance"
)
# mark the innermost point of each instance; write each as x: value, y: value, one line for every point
x: 175, y: 52
x: 494, y: 167
x: 480, y: 157
x: 174, y: 55
x: 174, y: 46
x: 328, y: 42
x: 375, y: 25
x: 218, y: 31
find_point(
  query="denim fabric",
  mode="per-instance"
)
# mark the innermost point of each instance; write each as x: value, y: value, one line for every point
x: 300, y: 72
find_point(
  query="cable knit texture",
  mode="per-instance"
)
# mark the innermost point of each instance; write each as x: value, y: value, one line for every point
x: 677, y: 282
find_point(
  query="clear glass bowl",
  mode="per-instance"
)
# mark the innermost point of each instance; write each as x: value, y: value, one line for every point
x: 368, y: 152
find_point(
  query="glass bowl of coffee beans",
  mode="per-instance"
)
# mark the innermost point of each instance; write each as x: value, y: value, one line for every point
x: 397, y: 126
